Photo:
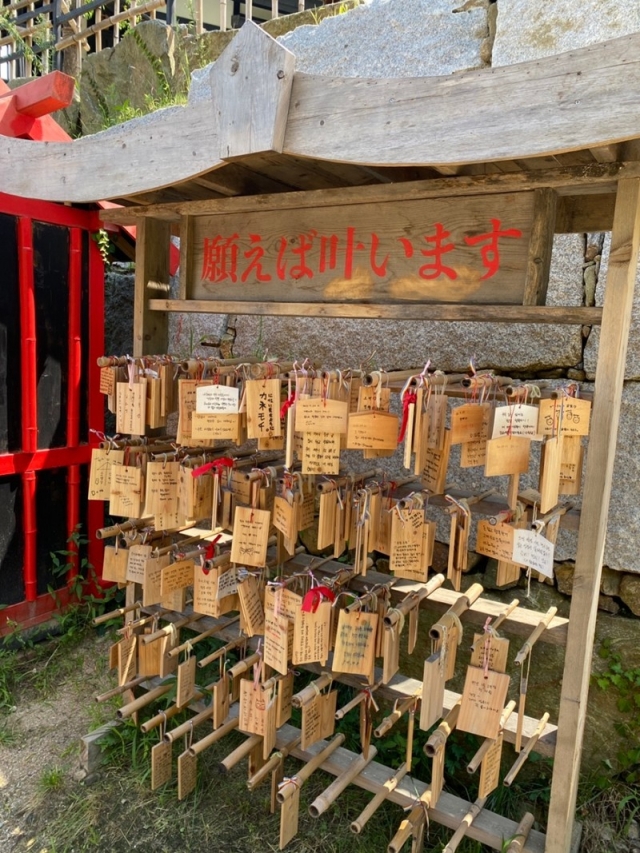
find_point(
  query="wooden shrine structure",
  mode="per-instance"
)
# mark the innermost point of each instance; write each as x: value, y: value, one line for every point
x: 544, y: 147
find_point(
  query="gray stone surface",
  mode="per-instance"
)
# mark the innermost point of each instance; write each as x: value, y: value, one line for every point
x: 630, y: 593
x: 529, y: 30
x: 392, y: 38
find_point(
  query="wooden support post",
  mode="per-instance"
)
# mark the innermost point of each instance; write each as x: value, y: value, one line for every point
x: 152, y: 264
x: 625, y: 240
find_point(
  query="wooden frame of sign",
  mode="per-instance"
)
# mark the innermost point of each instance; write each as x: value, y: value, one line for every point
x: 302, y: 134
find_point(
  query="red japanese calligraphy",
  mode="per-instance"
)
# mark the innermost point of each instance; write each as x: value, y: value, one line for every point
x: 304, y: 247
x: 220, y: 259
x: 353, y: 245
x: 255, y: 256
x: 490, y: 252
x: 437, y: 268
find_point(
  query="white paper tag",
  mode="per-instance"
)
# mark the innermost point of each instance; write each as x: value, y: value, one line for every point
x: 531, y: 549
x: 516, y: 420
x: 217, y: 400
x: 227, y: 584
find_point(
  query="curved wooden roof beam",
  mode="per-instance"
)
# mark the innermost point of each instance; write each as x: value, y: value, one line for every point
x: 584, y: 99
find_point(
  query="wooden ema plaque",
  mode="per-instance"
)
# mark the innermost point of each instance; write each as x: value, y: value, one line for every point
x: 318, y: 718
x: 356, y: 643
x: 483, y: 701
x: 470, y: 250
x: 100, y: 472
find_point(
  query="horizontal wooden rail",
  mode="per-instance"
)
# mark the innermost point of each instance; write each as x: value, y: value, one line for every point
x: 126, y: 15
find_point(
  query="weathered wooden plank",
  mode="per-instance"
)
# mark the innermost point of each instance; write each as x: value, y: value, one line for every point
x: 583, y: 214
x: 625, y: 241
x: 575, y: 100
x: 598, y: 178
x: 150, y: 328
x: 406, y: 311
x: 540, y: 245
x: 251, y: 86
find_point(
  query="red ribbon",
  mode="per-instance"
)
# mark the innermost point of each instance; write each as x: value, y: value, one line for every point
x: 210, y: 550
x: 312, y: 599
x: 223, y: 462
x: 407, y: 400
x: 287, y: 405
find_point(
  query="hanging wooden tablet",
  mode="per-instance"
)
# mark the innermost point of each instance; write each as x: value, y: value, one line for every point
x: 276, y: 642
x: 437, y: 774
x: 100, y: 472
x: 161, y: 767
x: 569, y: 415
x: 406, y: 556
x: 251, y: 608
x: 507, y: 455
x: 327, y: 518
x: 289, y: 818
x: 108, y: 381
x: 176, y: 576
x: 390, y: 651
x: 284, y: 517
x: 154, y: 417
x: 162, y: 492
x: 114, y: 566
x: 321, y: 452
x: 131, y: 402
x: 318, y: 718
x: 495, y: 540
x: 434, y: 473
x: 311, y: 635
x: 127, y: 659
x: 550, y: 466
x: 187, y: 396
x: 473, y: 454
x: 494, y: 650
x: 418, y: 429
x: 490, y: 768
x: 250, y: 536
x: 458, y: 546
x: 263, y: 407
x: 515, y: 419
x: 270, y: 727
x: 168, y: 663
x: 468, y: 423
x: 436, y: 409
x: 217, y: 399
x: 373, y: 398
x: 207, y: 427
x: 571, y: 465
x: 195, y: 495
x: 149, y: 655
x: 125, y: 495
x: 152, y: 579
x: 165, y: 372
x: 138, y: 556
x: 432, y: 702
x: 356, y: 643
x: 372, y: 430
x: 283, y: 700
x: 186, y: 684
x: 306, y: 511
x: 241, y: 486
x: 316, y: 414
x: 220, y: 701
x: 483, y: 699
x: 283, y: 603
x: 187, y: 774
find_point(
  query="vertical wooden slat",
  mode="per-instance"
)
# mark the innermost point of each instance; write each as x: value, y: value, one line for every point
x: 116, y: 28
x: 98, y: 18
x: 152, y: 264
x: 199, y: 14
x: 274, y: 8
x: 540, y: 247
x: 300, y: 5
x: 625, y: 240
x: 222, y: 11
x: 248, y: 10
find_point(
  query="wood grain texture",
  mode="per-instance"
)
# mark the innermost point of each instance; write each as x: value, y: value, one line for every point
x: 625, y: 241
x: 540, y: 246
x: 585, y: 98
x: 150, y: 328
x: 251, y: 85
x: 463, y: 313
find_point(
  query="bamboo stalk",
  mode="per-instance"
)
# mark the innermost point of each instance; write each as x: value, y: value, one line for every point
x: 395, y: 715
x: 122, y: 688
x: 168, y: 629
x: 127, y: 710
x: 535, y: 635
x: 488, y: 742
x: 209, y: 633
x: 297, y: 781
x: 336, y: 482
x: 456, y: 610
x: 243, y: 665
x: 521, y: 834
x: 113, y: 614
x: 124, y: 527
x: 409, y: 825
x: 353, y: 703
x: 498, y: 622
x: 240, y: 752
x: 328, y: 797
x: 184, y: 728
x: 272, y: 764
x: 220, y: 652
x: 127, y: 14
x: 464, y: 825
x: 163, y: 716
x: 140, y: 623
x: 412, y: 600
x: 214, y: 737
x: 520, y: 760
x: 388, y: 787
x: 439, y: 737
x: 311, y: 690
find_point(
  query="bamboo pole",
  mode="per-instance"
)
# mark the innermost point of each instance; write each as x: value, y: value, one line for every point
x: 336, y: 482
x: 353, y: 703
x: 173, y: 711
x: 328, y: 797
x: 184, y: 728
x: 413, y: 599
x: 296, y: 782
x: 521, y: 657
x: 488, y: 742
x: 520, y: 760
x: 209, y: 633
x: 243, y: 666
x: 122, y: 688
x: 221, y: 652
x: 311, y: 690
x: 456, y: 610
x: 127, y: 14
x: 400, y: 709
x: 168, y: 629
x: 113, y: 614
x: 521, y: 834
x: 388, y: 787
x: 240, y: 752
x: 410, y: 824
x: 504, y: 614
x: 464, y: 825
x: 439, y: 737
x: 214, y: 737
x: 127, y: 710
x: 140, y: 623
x: 123, y: 527
x: 272, y: 764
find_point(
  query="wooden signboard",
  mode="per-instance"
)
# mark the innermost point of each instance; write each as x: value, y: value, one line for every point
x: 468, y: 249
